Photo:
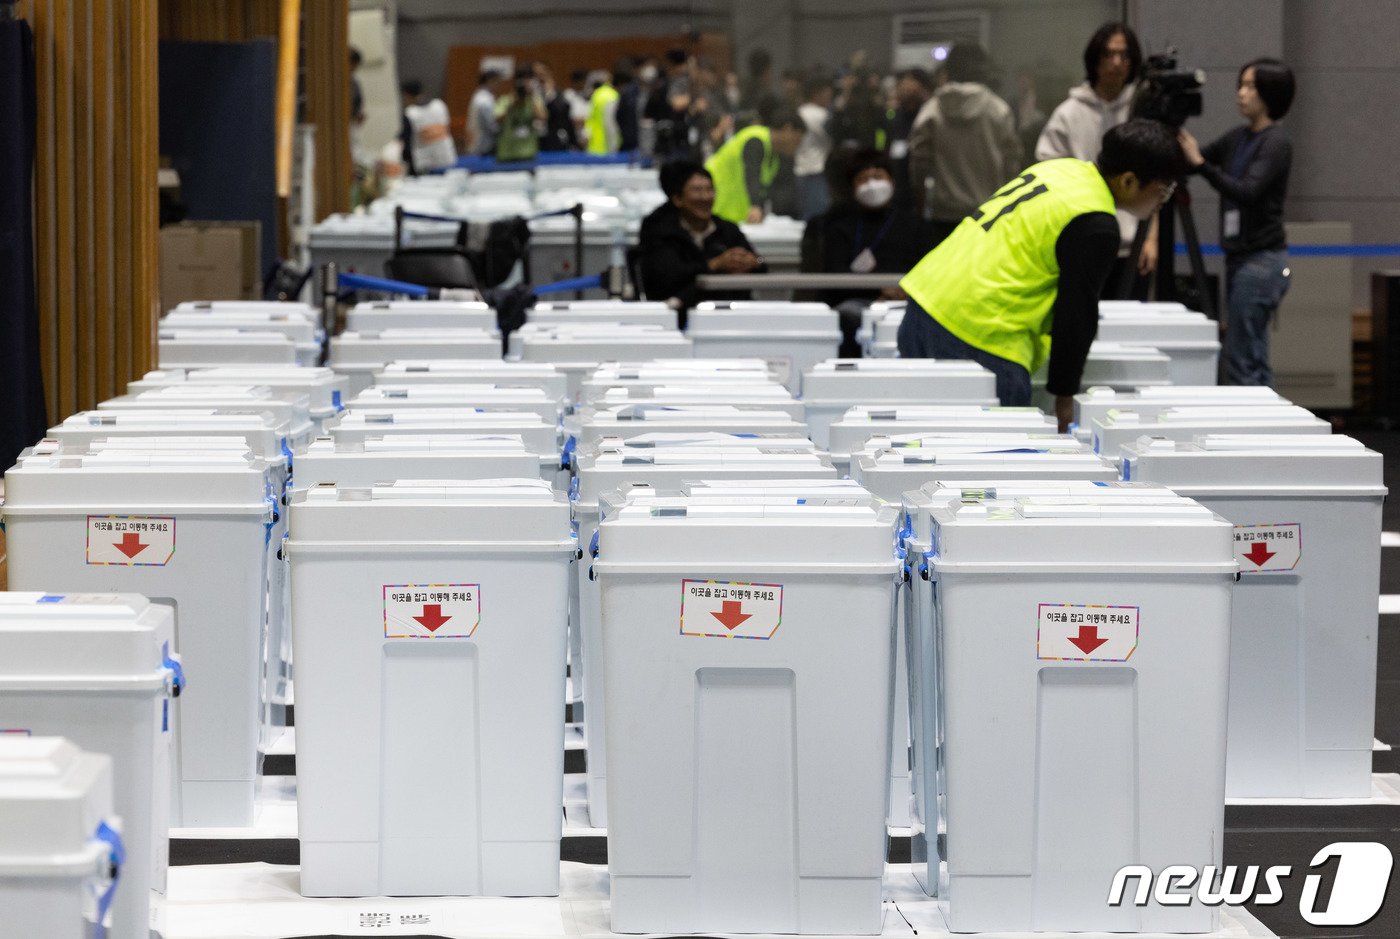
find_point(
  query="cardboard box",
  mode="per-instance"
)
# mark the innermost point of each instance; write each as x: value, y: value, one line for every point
x: 210, y: 261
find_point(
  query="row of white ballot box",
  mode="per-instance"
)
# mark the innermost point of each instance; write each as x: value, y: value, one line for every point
x: 208, y: 465
x: 64, y: 854
x: 665, y: 460
x: 1184, y: 344
x: 793, y: 338
x: 1048, y: 876
x: 101, y: 671
x: 244, y: 332
x: 107, y: 515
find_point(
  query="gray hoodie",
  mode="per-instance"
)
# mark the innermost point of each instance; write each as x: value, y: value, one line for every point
x: 1076, y: 129
x: 964, y: 138
x: 1077, y: 126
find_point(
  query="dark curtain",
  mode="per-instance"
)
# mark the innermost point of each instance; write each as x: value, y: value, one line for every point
x: 22, y: 418
x: 217, y: 127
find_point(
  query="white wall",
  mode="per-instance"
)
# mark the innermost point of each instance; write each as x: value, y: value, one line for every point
x: 1346, y: 54
x: 372, y: 32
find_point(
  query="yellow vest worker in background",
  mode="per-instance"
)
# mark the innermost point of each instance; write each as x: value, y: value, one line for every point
x: 601, y: 125
x: 747, y: 164
x: 1018, y: 281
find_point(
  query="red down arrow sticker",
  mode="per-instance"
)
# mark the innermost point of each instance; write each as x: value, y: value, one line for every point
x: 1070, y: 632
x: 725, y: 609
x: 1268, y: 549
x: 130, y: 540
x: 431, y: 611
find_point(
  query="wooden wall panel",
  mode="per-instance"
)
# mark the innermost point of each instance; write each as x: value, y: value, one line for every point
x: 326, y: 97
x: 95, y: 195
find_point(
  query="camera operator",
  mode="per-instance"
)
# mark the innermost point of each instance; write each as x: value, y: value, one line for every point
x: 1249, y: 167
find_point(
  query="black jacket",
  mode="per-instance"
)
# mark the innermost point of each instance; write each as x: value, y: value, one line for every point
x: 670, y: 260
x: 832, y: 240
x: 1250, y: 171
x: 559, y: 133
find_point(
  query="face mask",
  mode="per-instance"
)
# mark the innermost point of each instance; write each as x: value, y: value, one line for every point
x: 875, y: 193
x: 647, y: 75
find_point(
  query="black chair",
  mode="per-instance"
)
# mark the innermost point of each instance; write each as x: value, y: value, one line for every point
x: 432, y: 267
x: 634, y: 271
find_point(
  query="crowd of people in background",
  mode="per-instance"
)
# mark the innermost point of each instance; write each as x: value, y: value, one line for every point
x: 951, y: 133
x: 883, y: 167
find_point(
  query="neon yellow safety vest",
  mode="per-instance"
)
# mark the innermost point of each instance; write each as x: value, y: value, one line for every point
x: 727, y: 168
x: 992, y: 282
x: 597, y: 125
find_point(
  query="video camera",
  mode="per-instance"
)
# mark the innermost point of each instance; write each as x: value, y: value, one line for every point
x: 1166, y: 93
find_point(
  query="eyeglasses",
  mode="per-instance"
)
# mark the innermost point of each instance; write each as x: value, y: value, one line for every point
x: 1110, y: 54
x: 1167, y: 192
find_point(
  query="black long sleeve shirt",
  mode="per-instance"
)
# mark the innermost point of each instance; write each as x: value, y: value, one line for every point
x: 753, y: 154
x: 1250, y: 171
x: 832, y: 240
x: 1085, y: 251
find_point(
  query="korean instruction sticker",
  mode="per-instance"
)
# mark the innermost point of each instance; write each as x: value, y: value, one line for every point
x: 130, y: 540
x: 431, y: 611
x: 1268, y: 549
x: 1070, y: 632
x: 730, y: 609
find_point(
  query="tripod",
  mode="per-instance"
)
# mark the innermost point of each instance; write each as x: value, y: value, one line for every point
x: 1178, y: 206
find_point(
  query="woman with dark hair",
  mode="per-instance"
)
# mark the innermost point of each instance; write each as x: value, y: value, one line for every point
x: 1249, y: 167
x: 866, y: 231
x: 684, y: 238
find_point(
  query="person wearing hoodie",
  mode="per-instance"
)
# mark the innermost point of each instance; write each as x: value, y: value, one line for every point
x: 1112, y: 66
x: 964, y: 142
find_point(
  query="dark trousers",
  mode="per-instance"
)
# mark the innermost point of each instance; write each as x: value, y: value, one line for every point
x: 923, y: 337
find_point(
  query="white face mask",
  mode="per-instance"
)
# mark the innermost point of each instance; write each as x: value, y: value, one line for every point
x: 875, y: 193
x: 647, y: 75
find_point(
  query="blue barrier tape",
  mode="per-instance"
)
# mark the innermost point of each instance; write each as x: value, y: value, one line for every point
x: 428, y: 217
x: 366, y: 282
x: 116, y: 856
x: 178, y: 670
x: 1315, y: 251
x: 564, y: 286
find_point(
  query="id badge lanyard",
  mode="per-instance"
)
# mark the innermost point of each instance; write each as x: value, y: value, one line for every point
x: 860, y: 244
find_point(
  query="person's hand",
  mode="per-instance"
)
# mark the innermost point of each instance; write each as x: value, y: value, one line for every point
x: 755, y: 215
x: 1064, y: 411
x: 735, y: 260
x: 1190, y: 147
x: 893, y: 293
x: 745, y: 260
x: 1147, y: 258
